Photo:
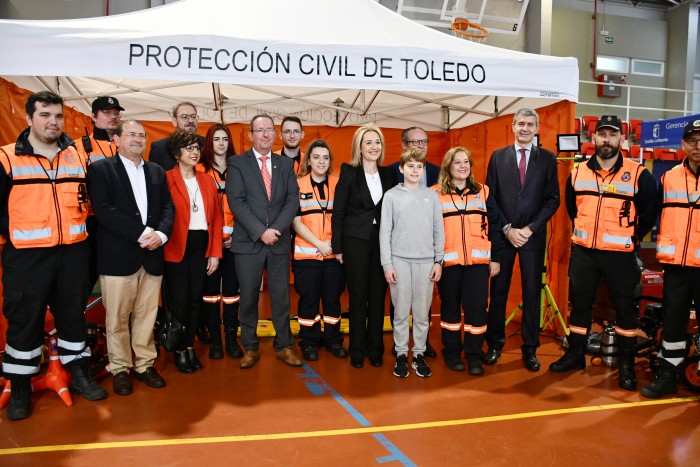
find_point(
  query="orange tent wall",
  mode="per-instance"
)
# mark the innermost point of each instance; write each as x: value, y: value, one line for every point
x: 480, y: 139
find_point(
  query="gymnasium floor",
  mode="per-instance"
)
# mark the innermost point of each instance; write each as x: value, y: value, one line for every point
x: 328, y: 413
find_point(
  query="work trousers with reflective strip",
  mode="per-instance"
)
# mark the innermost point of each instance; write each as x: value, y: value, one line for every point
x: 466, y: 287
x: 621, y: 274
x: 34, y: 278
x: 222, y: 283
x: 681, y: 287
x: 319, y: 282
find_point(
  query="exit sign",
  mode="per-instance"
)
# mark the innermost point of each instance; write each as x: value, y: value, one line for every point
x: 608, y: 40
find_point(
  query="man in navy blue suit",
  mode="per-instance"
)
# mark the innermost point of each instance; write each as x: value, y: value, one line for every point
x: 523, y: 180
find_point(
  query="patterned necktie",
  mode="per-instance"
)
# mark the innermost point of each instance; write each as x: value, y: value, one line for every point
x: 522, y: 166
x: 267, y: 179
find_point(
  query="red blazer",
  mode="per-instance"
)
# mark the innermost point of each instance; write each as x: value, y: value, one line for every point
x: 175, y: 248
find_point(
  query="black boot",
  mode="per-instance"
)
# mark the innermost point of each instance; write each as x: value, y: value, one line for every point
x: 232, y: 348
x: 203, y: 335
x: 182, y: 362
x: 573, y: 359
x: 664, y: 381
x: 193, y: 360
x: 216, y: 351
x: 82, y: 382
x: 20, y: 398
x: 625, y: 363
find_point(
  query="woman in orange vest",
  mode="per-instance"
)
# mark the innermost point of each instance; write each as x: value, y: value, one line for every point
x: 318, y: 276
x: 194, y: 248
x: 222, y: 285
x: 472, y: 248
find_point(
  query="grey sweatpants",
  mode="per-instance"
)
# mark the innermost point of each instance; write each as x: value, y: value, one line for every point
x: 413, y: 290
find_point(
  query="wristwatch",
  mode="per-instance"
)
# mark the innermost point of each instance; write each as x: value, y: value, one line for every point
x: 441, y: 262
x: 506, y: 229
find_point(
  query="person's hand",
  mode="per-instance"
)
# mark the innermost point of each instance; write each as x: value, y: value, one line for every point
x: 227, y: 243
x: 212, y: 264
x: 494, y: 269
x: 390, y: 276
x: 436, y: 272
x: 324, y: 248
x: 519, y: 237
x: 270, y: 236
x: 151, y: 240
x: 339, y: 257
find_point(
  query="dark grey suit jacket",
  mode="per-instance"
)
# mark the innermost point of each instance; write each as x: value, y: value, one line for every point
x: 119, y: 219
x: 532, y: 204
x: 253, y: 212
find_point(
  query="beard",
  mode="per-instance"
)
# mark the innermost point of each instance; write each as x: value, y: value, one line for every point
x: 607, y: 151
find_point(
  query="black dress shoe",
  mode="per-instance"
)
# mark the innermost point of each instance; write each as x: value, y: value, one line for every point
x: 455, y: 365
x: 151, y: 378
x: 476, y: 367
x: 492, y: 357
x: 531, y: 362
x: 182, y: 363
x: 337, y: 350
x: 194, y: 361
x: 357, y: 362
x: 121, y: 383
x: 376, y: 361
x: 429, y: 351
x: 309, y: 353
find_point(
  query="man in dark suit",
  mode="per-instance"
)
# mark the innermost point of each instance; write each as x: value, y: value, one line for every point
x: 264, y: 197
x: 523, y: 180
x: 134, y: 212
x: 185, y: 118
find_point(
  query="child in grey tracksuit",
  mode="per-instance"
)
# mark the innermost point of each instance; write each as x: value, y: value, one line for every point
x: 411, y: 240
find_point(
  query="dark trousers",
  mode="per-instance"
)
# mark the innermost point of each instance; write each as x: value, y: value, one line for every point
x: 367, y: 293
x: 315, y: 283
x: 184, y: 282
x: 465, y: 287
x: 34, y: 278
x: 681, y: 288
x: 621, y: 274
x: 224, y: 281
x: 531, y: 266
x: 93, y: 276
x: 251, y: 267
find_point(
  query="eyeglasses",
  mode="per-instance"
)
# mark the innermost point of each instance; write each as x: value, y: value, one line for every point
x: 131, y: 134
x: 188, y: 118
x: 291, y: 132
x: 460, y: 163
x: 418, y: 142
x: 260, y: 131
x: 691, y: 141
x: 192, y: 148
x: 111, y: 113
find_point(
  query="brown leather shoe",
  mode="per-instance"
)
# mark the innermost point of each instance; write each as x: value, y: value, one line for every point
x: 288, y: 356
x: 121, y: 383
x: 151, y: 378
x: 249, y: 358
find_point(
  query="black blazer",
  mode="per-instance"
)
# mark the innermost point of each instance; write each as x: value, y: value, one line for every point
x: 353, y: 208
x: 432, y: 173
x: 159, y: 155
x: 119, y: 219
x: 253, y: 212
x: 532, y: 204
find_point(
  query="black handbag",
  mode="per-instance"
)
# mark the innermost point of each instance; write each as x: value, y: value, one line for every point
x: 168, y: 330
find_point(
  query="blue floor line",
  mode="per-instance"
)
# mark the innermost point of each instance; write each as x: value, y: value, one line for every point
x: 318, y: 387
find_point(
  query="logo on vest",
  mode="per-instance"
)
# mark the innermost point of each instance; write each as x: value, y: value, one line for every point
x: 626, y: 177
x: 70, y: 158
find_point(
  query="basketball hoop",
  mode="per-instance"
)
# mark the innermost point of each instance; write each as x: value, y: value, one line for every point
x: 470, y: 31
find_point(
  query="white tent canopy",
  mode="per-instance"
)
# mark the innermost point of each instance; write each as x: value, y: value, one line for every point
x: 331, y: 62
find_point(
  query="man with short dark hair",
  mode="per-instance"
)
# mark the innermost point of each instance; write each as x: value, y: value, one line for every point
x: 678, y: 250
x: 134, y: 225
x: 263, y: 194
x: 292, y: 133
x: 45, y: 259
x: 611, y: 201
x: 185, y: 118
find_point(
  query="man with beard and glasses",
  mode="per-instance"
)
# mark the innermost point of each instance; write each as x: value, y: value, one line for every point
x: 291, y: 133
x: 185, y: 118
x: 612, y: 203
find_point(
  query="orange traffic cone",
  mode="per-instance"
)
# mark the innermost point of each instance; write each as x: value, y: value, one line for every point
x: 56, y: 378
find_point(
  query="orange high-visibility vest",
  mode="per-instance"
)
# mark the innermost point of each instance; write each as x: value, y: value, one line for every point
x: 47, y: 203
x: 606, y: 215
x: 315, y: 214
x: 220, y: 181
x: 466, y: 227
x: 678, y: 241
x: 100, y: 150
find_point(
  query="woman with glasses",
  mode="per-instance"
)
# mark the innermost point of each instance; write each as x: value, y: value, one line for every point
x: 471, y: 258
x: 222, y: 286
x: 356, y: 216
x: 194, y: 248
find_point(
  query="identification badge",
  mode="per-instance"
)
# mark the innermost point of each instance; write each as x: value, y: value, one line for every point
x: 609, y: 188
x: 306, y: 195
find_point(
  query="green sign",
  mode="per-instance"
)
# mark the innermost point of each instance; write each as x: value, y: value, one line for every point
x: 608, y: 40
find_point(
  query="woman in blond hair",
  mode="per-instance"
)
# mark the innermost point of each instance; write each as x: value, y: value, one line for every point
x: 356, y: 218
